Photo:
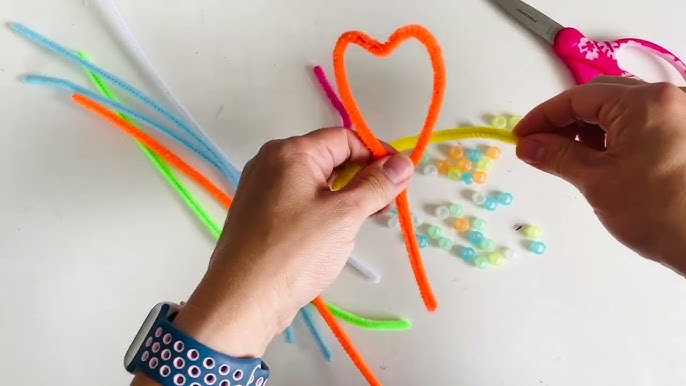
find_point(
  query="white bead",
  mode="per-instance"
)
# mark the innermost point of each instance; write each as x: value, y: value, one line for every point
x: 417, y: 221
x: 393, y: 222
x: 430, y: 170
x: 510, y: 254
x: 442, y: 212
x: 478, y: 198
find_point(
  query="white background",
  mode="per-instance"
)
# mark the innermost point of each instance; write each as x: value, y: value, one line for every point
x: 91, y: 237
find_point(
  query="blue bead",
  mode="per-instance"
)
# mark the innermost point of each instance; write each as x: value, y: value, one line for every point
x: 537, y: 247
x: 505, y: 198
x: 468, y: 254
x: 490, y: 204
x: 468, y: 178
x: 476, y: 237
x: 475, y: 155
x: 423, y: 241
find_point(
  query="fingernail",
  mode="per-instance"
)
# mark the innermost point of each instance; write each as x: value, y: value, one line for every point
x: 531, y: 152
x: 398, y: 168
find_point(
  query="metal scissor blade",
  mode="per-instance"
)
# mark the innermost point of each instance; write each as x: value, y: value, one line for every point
x: 533, y: 19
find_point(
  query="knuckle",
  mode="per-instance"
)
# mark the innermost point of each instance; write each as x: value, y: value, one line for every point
x: 666, y: 95
x: 282, y: 149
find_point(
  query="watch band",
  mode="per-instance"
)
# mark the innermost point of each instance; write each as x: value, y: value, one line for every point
x: 172, y: 358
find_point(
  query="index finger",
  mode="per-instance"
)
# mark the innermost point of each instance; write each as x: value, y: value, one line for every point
x: 588, y: 103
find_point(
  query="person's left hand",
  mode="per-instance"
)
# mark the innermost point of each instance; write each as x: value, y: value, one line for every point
x: 287, y: 237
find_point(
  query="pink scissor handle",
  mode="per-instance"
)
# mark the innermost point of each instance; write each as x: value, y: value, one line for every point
x: 586, y: 58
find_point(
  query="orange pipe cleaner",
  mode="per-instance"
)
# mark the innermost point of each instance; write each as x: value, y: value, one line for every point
x: 225, y: 200
x: 379, y: 49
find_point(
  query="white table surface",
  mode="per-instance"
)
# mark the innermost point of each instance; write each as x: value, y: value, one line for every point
x: 91, y: 237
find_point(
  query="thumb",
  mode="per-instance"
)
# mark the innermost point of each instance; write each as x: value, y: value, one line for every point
x: 377, y: 185
x: 558, y: 155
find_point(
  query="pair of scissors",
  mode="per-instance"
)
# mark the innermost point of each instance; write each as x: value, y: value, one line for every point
x: 585, y: 58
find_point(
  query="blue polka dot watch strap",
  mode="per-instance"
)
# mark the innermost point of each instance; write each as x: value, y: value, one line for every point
x: 172, y: 358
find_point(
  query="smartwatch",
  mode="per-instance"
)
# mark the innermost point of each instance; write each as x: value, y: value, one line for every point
x: 172, y: 358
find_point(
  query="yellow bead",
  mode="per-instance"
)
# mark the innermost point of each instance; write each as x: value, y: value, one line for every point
x: 480, y: 177
x: 494, y: 152
x: 485, y: 164
x: 443, y: 167
x: 464, y: 164
x: 454, y: 174
x: 533, y: 232
x: 499, y: 122
x: 513, y: 121
x: 455, y: 152
x: 461, y: 225
x: 496, y: 258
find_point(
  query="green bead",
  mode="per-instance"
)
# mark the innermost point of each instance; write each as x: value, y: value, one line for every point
x: 485, y: 164
x: 488, y: 245
x: 455, y: 210
x: 496, y: 258
x: 533, y: 232
x: 454, y: 174
x: 481, y: 262
x: 425, y: 158
x: 445, y: 243
x: 479, y: 224
x: 434, y: 232
x: 499, y: 122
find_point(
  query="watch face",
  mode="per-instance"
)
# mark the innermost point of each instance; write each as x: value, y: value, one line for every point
x: 143, y: 332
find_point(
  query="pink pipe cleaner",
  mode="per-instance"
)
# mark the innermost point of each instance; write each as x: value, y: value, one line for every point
x: 333, y: 97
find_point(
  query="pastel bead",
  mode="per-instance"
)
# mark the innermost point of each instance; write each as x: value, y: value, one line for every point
x: 455, y: 210
x: 533, y: 232
x: 494, y: 152
x: 490, y: 204
x: 475, y: 237
x: 423, y: 241
x: 475, y: 155
x: 505, y: 198
x: 435, y: 232
x: 393, y: 223
x: 509, y: 254
x: 537, y: 247
x: 455, y: 152
x: 513, y: 121
x: 417, y: 221
x: 480, y: 177
x: 464, y: 165
x: 442, y: 212
x: 455, y: 174
x: 468, y: 178
x: 496, y: 258
x: 445, y: 243
x: 499, y: 122
x: 425, y: 158
x: 481, y: 262
x: 430, y: 170
x: 468, y: 254
x: 488, y: 245
x: 479, y: 224
x: 394, y: 211
x: 461, y: 225
x: 443, y: 167
x: 484, y: 164
x: 478, y: 198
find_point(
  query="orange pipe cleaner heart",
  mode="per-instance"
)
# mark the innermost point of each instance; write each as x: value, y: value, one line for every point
x: 379, y: 49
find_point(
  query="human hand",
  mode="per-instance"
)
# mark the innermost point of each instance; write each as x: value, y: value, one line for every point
x: 287, y: 237
x: 629, y: 160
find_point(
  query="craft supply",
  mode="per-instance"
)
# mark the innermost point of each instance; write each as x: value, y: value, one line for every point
x: 537, y: 247
x: 426, y: 158
x: 478, y: 198
x: 479, y: 224
x: 456, y: 152
x: 533, y: 232
x: 417, y: 221
x: 496, y: 258
x: 369, y: 324
x: 364, y: 268
x: 442, y: 212
x: 499, y: 122
x: 445, y: 243
x: 289, y: 335
x: 468, y: 178
x: 475, y: 237
x: 443, y: 166
x: 455, y: 174
x: 509, y: 253
x: 321, y: 343
x: 430, y: 170
x: 481, y: 262
x: 144, y: 61
x: 332, y: 96
x: 464, y: 164
x: 393, y: 222
x: 505, y: 198
x: 513, y: 121
x: 475, y: 155
x: 480, y: 177
x: 435, y: 232
x: 488, y: 245
x: 455, y: 210
x: 461, y: 225
x: 468, y: 254
x: 485, y: 164
x: 494, y: 152
x: 490, y: 204
x: 423, y: 241
x: 377, y: 48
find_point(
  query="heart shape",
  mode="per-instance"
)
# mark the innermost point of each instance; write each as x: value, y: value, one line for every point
x: 379, y: 49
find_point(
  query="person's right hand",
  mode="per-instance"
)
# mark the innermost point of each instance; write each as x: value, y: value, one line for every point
x: 622, y: 143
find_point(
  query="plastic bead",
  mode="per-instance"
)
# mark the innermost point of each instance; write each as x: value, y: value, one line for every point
x: 443, y: 167
x: 455, y: 152
x: 455, y: 210
x: 481, y: 262
x: 425, y: 158
x: 509, y: 254
x: 468, y: 178
x: 442, y: 212
x: 480, y: 177
x: 533, y: 232
x: 455, y: 174
x: 513, y: 121
x: 494, y: 152
x: 475, y: 155
x: 416, y: 221
x: 464, y: 165
x: 475, y: 237
x: 468, y: 254
x: 490, y: 204
x: 479, y: 224
x: 488, y: 245
x: 423, y: 241
x: 505, y: 198
x: 394, y: 211
x: 435, y: 232
x: 499, y: 122
x: 393, y: 223
x: 478, y: 198
x: 537, y: 247
x: 496, y: 258
x: 485, y: 164
x: 461, y: 225
x: 445, y: 243
x: 430, y: 170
